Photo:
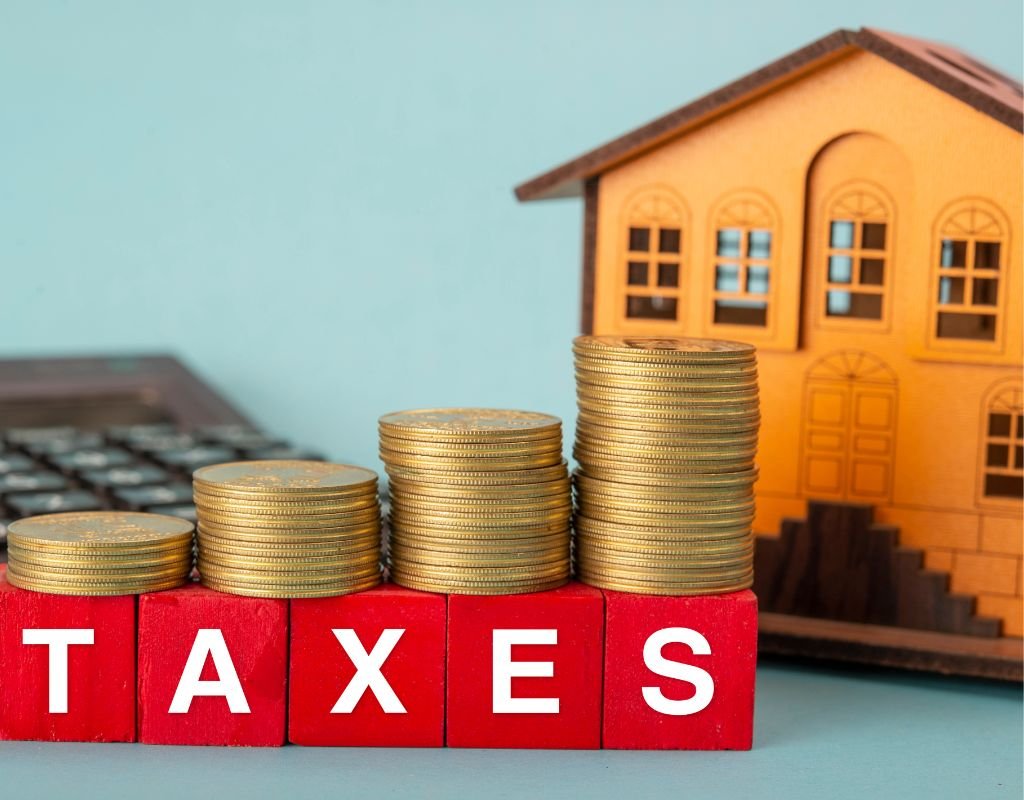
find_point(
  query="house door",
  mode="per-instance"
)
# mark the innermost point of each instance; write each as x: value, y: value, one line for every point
x: 849, y: 428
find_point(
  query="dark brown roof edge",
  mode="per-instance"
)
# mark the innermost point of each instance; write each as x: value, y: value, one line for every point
x: 567, y: 179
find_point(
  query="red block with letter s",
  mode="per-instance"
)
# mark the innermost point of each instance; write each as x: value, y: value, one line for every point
x: 679, y: 671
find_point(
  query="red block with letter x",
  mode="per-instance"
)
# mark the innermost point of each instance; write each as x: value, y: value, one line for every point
x: 367, y: 669
x: 212, y: 668
x: 679, y: 671
x: 525, y: 670
x: 67, y: 666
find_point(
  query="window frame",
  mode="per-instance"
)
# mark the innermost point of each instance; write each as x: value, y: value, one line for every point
x: 944, y: 229
x: 748, y: 211
x: 882, y: 209
x: 1005, y: 396
x: 655, y: 208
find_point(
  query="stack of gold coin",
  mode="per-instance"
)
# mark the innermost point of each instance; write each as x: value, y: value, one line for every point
x: 665, y: 440
x: 480, y: 500
x: 287, y: 528
x: 99, y: 553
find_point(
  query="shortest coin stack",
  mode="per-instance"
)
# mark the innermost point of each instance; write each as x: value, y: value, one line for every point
x: 287, y: 528
x: 99, y: 553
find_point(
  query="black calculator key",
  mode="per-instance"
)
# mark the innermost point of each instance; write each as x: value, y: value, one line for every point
x: 15, y: 462
x: 121, y: 477
x: 185, y: 511
x: 53, y: 447
x: 140, y: 433
x: 102, y: 458
x: 193, y: 458
x: 153, y: 445
x: 141, y: 497
x: 32, y: 482
x: 28, y: 505
x: 24, y: 436
x: 284, y: 451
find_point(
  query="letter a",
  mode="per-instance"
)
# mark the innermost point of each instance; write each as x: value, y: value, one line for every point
x: 209, y: 642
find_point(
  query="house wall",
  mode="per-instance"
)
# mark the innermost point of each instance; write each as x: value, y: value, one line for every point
x: 858, y: 118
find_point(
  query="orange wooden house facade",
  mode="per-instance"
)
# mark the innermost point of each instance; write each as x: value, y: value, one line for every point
x: 855, y: 210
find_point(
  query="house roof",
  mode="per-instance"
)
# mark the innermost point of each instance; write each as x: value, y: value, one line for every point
x: 955, y: 72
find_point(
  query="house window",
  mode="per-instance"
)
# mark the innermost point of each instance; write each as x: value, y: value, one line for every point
x: 857, y: 256
x: 653, y: 259
x: 742, y: 269
x: 1003, y: 454
x: 971, y: 272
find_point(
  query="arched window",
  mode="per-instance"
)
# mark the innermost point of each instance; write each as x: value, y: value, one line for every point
x: 743, y: 280
x: 1003, y: 443
x: 653, y: 257
x: 970, y: 290
x: 857, y: 268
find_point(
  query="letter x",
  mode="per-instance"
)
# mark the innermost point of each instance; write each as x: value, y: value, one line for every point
x: 368, y: 674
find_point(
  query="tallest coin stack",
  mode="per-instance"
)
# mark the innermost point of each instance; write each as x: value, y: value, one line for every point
x: 665, y: 439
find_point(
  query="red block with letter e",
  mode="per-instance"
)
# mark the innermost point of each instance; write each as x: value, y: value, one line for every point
x: 525, y: 670
x: 367, y: 669
x: 679, y: 671
x: 67, y: 666
x: 212, y: 668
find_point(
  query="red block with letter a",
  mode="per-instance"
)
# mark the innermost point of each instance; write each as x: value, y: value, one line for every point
x: 525, y: 670
x: 240, y: 657
x: 97, y: 701
x: 388, y: 634
x: 679, y: 671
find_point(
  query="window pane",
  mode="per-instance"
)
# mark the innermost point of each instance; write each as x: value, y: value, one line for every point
x: 840, y: 269
x: 951, y: 290
x: 954, y: 253
x: 1020, y: 426
x: 640, y: 239
x: 997, y: 455
x: 841, y: 234
x: 668, y: 240
x: 727, y: 278
x: 986, y: 255
x: 978, y: 327
x: 757, y: 280
x: 872, y: 271
x: 998, y: 424
x: 741, y: 312
x: 637, y: 273
x: 1018, y: 457
x: 668, y: 274
x: 984, y: 290
x: 651, y: 307
x: 854, y: 305
x: 872, y: 236
x: 729, y: 240
x: 1004, y: 485
x: 759, y: 244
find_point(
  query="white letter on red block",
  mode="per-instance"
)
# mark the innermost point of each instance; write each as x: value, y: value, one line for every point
x: 505, y: 669
x: 659, y: 665
x: 368, y: 674
x: 58, y: 640
x: 209, y: 642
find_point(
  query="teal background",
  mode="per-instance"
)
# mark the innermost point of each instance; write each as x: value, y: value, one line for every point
x: 312, y: 202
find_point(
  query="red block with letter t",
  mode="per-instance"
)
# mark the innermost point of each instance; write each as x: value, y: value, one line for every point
x: 679, y: 671
x: 525, y: 670
x: 67, y: 666
x: 212, y: 668
x: 367, y: 669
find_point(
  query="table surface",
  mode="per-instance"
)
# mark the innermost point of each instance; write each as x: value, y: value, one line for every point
x: 820, y: 732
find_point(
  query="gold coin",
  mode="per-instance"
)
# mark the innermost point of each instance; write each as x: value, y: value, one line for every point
x: 289, y: 538
x: 334, y: 545
x: 106, y: 556
x: 296, y: 522
x: 248, y: 577
x: 98, y: 530
x: 479, y: 478
x: 294, y: 567
x: 293, y: 593
x: 319, y: 506
x: 283, y: 477
x: 85, y: 575
x: 457, y: 423
x: 477, y: 544
x: 467, y: 449
x: 449, y: 587
x: 96, y: 589
x: 672, y: 590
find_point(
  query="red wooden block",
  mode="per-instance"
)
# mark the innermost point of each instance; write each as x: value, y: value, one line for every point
x: 697, y: 702
x: 507, y: 694
x: 99, y: 677
x: 240, y: 642
x: 324, y: 677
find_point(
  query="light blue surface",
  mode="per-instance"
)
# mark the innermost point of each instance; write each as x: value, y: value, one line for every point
x: 820, y: 735
x: 311, y: 203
